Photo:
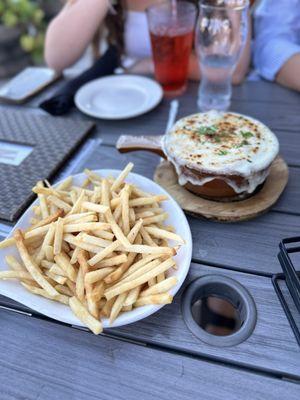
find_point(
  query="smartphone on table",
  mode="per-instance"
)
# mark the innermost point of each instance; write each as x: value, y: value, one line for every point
x: 27, y: 83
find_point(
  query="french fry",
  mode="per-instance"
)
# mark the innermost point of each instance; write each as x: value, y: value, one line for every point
x: 87, y: 226
x: 117, y: 307
x: 161, y: 277
x: 49, y: 253
x: 163, y: 234
x: 98, y: 275
x: 80, y: 217
x: 44, y: 222
x: 144, y: 249
x: 84, y: 316
x: 132, y: 296
x: 116, y: 229
x: 43, y: 203
x: 80, y: 285
x: 63, y: 261
x: 98, y: 291
x: 58, y: 237
x: 147, y: 238
x: 48, y: 240
x: 55, y: 269
x: 106, y: 309
x: 104, y: 253
x: 135, y: 231
x: 56, y: 278
x: 164, y: 298
x: 144, y: 201
x: 134, y: 267
x: 81, y: 244
x: 92, y: 175
x: 65, y: 184
x: 120, y: 179
x: 95, y: 207
x: 126, y: 286
x: 125, y: 209
x: 42, y: 292
x: 117, y: 273
x: 96, y: 240
x: 155, y: 219
x: 132, y: 216
x: 141, y: 271
x: 60, y: 203
x: 113, y: 261
x: 160, y: 287
x: 7, y: 243
x: 31, y: 267
x: 104, y: 235
x: 15, y: 275
x: 14, y: 264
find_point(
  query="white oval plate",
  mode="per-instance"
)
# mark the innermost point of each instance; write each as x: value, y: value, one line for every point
x: 118, y: 96
x: 14, y: 290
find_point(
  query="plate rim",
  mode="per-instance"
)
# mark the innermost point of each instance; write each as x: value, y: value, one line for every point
x: 116, y: 118
x: 142, y: 312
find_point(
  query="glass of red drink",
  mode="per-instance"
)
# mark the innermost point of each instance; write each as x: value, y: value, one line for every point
x: 171, y: 25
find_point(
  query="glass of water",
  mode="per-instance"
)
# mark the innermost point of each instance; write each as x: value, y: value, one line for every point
x: 220, y: 38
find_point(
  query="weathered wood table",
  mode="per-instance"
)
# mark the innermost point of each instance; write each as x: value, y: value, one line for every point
x: 159, y: 358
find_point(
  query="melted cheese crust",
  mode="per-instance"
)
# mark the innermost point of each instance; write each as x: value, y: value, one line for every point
x: 223, y: 144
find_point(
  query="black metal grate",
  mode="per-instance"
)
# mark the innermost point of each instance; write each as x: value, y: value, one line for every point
x: 291, y: 277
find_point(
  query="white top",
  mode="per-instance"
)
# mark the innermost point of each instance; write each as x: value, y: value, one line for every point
x: 277, y: 35
x: 136, y: 35
x: 137, y: 43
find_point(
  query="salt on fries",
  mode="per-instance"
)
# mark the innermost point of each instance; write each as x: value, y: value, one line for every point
x: 101, y: 248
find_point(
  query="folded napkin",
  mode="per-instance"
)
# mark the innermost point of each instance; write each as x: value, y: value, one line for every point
x: 63, y: 100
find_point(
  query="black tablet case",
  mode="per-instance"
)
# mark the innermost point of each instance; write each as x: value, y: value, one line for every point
x: 53, y: 141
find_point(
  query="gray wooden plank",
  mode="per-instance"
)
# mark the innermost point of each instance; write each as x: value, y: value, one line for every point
x: 46, y: 361
x: 272, y: 346
x: 289, y: 200
x: 263, y: 91
x: 255, y: 91
x: 249, y: 246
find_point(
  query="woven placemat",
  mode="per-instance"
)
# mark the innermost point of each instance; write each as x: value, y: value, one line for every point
x: 53, y: 141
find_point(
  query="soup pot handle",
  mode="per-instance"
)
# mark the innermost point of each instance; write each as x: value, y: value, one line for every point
x: 127, y: 143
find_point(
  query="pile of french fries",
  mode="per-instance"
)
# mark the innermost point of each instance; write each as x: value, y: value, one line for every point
x: 101, y: 248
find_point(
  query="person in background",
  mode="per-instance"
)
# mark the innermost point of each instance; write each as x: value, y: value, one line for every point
x: 277, y: 41
x: 82, y: 23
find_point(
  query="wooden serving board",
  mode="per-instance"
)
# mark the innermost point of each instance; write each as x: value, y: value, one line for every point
x: 235, y: 211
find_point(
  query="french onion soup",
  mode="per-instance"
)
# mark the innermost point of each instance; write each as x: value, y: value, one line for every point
x: 220, y: 155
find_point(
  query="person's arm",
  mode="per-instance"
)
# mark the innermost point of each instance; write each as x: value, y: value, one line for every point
x: 70, y: 33
x: 242, y: 67
x: 289, y: 73
x: 276, y: 50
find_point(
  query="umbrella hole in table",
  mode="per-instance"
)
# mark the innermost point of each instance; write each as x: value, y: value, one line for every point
x: 211, y: 295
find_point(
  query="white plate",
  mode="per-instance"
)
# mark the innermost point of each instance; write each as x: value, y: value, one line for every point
x: 118, y: 96
x: 61, y: 312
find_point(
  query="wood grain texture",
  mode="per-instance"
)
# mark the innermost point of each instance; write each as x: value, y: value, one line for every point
x: 43, y: 361
x: 259, y: 203
x: 271, y: 347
